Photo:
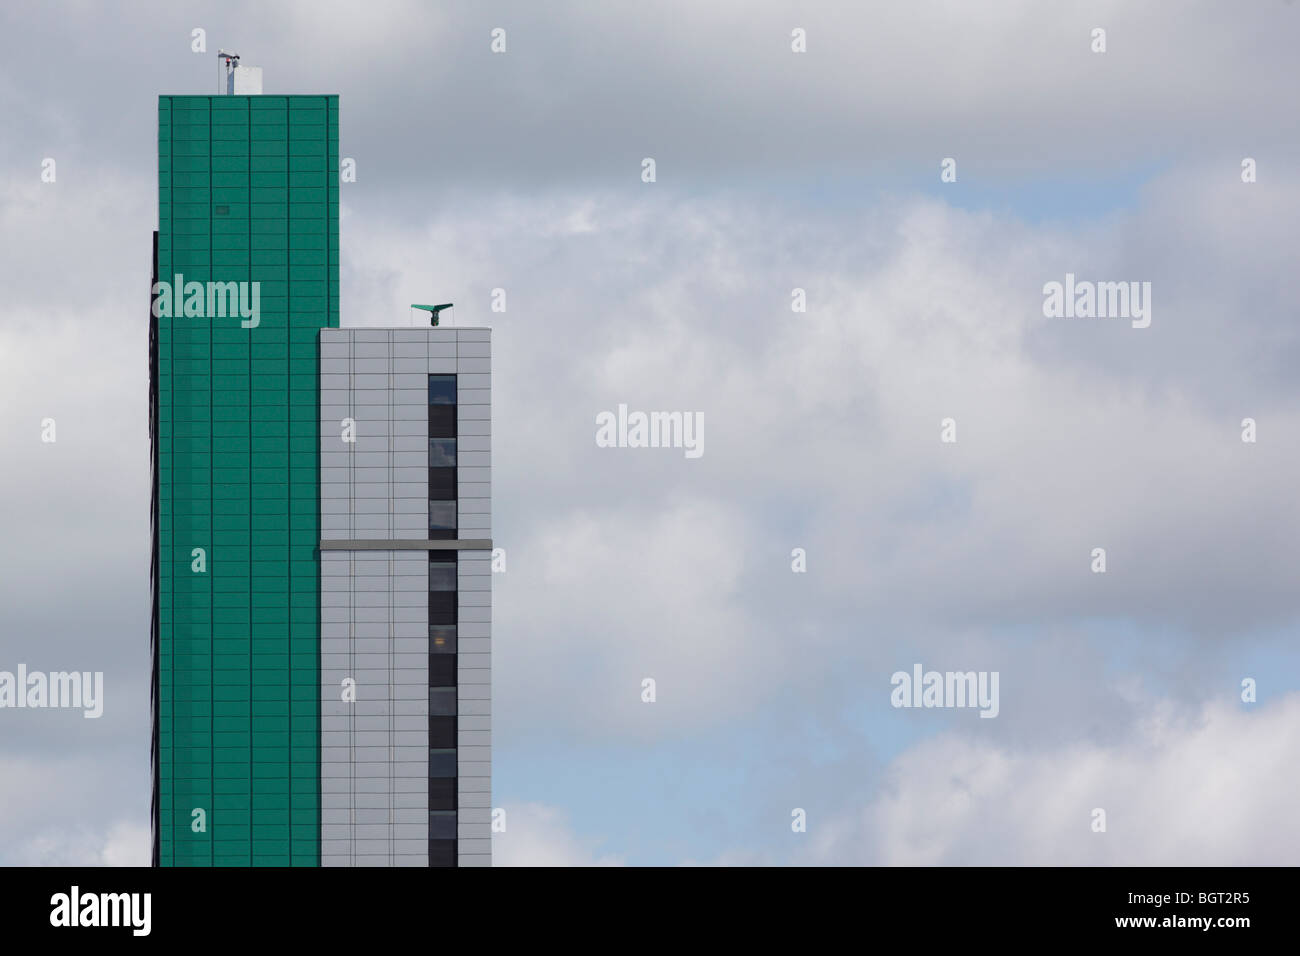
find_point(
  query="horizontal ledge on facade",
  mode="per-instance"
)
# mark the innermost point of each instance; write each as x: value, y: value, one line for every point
x: 405, y: 544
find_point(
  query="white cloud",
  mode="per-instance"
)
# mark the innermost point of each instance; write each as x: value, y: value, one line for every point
x: 822, y: 432
x: 658, y: 593
x: 122, y: 844
x: 1215, y: 789
x: 538, y: 835
x: 66, y: 809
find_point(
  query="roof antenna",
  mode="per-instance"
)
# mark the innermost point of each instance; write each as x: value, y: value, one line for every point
x: 240, y: 80
x: 433, y: 310
x: 231, y: 61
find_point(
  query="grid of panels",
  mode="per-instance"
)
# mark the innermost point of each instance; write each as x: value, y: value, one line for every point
x: 248, y: 191
x: 374, y: 765
x: 374, y: 603
x: 473, y: 598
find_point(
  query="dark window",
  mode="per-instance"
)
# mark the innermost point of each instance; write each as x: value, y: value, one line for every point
x: 442, y: 732
x: 442, y: 639
x: 442, y: 826
x: 442, y: 484
x: 442, y: 421
x: 442, y: 607
x: 442, y: 389
x: 442, y: 703
x: 442, y: 453
x: 442, y: 852
x: 442, y: 763
x: 442, y: 672
x: 442, y: 793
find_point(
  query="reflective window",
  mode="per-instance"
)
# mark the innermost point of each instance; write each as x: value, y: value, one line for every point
x: 442, y: 453
x: 442, y: 389
x: 442, y: 574
x: 442, y: 825
x: 442, y: 763
x: 442, y: 703
x: 442, y: 516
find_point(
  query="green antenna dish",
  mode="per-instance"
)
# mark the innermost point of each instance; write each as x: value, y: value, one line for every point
x: 433, y: 310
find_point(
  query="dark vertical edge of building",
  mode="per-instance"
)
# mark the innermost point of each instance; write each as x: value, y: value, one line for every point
x: 154, y: 570
x: 331, y: 267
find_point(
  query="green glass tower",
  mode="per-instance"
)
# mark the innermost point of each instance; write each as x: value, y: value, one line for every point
x: 248, y: 195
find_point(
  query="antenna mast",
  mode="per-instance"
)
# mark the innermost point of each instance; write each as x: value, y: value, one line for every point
x: 231, y: 61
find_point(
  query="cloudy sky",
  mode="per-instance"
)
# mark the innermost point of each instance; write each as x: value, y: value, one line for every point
x: 775, y: 170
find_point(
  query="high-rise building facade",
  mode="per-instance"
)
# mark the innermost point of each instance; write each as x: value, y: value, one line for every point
x: 247, y: 193
x: 321, y: 523
x: 405, y: 432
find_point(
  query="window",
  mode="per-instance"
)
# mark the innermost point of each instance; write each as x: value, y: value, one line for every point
x: 442, y: 825
x: 442, y: 453
x: 442, y: 520
x: 442, y: 671
x: 442, y: 703
x: 442, y: 421
x: 442, y: 484
x: 442, y: 852
x: 442, y: 793
x: 442, y: 763
x: 442, y: 573
x: 442, y: 639
x: 442, y: 607
x: 442, y: 389
x: 442, y: 733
